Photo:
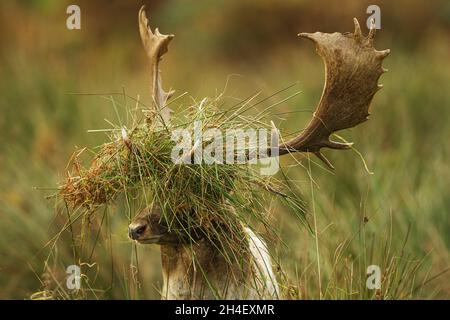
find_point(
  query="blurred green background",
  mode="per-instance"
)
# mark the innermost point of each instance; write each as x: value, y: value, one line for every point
x: 397, y: 218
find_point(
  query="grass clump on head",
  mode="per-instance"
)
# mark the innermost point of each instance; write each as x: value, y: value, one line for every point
x: 218, y: 198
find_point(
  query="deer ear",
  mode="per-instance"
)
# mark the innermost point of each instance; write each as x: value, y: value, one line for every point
x: 155, y: 45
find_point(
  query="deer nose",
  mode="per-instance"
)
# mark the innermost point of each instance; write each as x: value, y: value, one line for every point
x: 134, y: 232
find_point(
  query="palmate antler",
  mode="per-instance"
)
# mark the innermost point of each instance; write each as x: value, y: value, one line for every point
x: 155, y: 44
x: 352, y: 68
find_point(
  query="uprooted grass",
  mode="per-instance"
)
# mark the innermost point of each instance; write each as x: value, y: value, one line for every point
x: 217, y: 198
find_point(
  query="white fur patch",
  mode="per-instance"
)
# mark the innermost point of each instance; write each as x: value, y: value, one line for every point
x: 267, y: 286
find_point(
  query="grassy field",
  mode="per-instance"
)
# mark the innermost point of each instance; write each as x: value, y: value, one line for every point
x: 396, y: 218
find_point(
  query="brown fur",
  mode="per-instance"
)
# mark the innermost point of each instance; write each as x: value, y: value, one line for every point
x: 199, y: 270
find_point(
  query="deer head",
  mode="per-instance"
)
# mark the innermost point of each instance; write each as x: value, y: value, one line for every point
x: 149, y: 227
x: 352, y: 68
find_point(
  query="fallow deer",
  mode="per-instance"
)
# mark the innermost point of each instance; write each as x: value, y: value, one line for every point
x: 193, y: 268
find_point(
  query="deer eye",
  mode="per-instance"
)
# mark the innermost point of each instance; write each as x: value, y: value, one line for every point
x: 140, y: 230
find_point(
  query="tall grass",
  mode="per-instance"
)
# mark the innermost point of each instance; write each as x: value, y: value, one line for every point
x: 396, y: 218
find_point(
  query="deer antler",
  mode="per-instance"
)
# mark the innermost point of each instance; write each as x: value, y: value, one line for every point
x: 156, y: 45
x: 352, y: 68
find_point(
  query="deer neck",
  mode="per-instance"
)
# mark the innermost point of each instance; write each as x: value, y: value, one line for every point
x: 196, y: 271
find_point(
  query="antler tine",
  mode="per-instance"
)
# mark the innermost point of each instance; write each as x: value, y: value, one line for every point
x: 155, y: 45
x: 357, y: 33
x: 352, y: 68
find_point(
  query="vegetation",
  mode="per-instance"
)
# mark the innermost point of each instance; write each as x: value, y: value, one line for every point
x: 396, y: 218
